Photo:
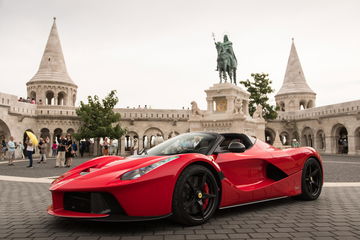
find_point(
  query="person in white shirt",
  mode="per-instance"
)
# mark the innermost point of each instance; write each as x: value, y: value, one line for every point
x: 11, y: 151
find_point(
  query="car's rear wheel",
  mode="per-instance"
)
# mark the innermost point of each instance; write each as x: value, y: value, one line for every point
x: 196, y: 196
x: 312, y: 180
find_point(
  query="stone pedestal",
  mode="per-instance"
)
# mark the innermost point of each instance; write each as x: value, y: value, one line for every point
x: 227, y: 111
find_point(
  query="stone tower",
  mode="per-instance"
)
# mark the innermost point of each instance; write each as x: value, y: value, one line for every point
x: 294, y: 94
x: 52, y: 85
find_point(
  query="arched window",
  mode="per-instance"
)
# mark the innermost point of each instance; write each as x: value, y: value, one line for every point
x: 49, y: 96
x: 61, y: 99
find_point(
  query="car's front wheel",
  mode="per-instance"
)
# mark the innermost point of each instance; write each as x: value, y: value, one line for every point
x: 312, y: 180
x: 196, y: 196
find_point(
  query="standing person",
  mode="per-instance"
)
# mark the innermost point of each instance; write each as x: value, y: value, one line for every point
x: 42, y: 148
x: 60, y: 159
x: 105, y: 147
x: 136, y: 147
x: 82, y: 148
x: 29, y: 152
x: 21, y: 150
x: 69, y: 151
x: 54, y: 149
x: 3, y: 149
x: 11, y: 151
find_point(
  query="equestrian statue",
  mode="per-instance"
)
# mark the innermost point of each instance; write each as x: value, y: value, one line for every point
x: 226, y: 60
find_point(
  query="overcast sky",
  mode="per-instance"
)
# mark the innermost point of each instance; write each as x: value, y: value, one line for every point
x: 161, y: 53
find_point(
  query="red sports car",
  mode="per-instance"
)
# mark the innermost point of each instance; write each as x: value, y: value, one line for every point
x: 187, y: 177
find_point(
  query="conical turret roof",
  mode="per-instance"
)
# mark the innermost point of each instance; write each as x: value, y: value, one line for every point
x: 52, y: 66
x: 294, y: 80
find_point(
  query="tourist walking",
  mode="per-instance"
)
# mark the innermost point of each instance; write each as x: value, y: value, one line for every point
x: 69, y: 151
x: 54, y: 149
x: 29, y: 152
x: 3, y: 149
x: 11, y: 151
x: 60, y: 159
x: 42, y: 148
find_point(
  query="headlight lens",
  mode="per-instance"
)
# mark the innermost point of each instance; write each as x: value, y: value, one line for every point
x: 134, y: 174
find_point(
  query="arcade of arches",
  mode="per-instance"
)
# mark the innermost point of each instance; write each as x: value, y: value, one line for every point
x: 337, y: 139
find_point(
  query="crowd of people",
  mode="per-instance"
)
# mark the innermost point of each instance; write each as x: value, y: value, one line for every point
x: 29, y: 100
x: 64, y: 149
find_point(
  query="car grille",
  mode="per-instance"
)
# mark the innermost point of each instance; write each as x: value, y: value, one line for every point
x: 92, y: 202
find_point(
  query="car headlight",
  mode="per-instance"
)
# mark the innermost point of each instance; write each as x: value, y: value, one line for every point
x: 134, y: 174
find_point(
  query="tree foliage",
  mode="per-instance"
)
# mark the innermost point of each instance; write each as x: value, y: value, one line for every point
x: 98, y: 120
x: 259, y: 88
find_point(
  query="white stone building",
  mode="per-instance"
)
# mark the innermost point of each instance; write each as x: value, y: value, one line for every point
x: 325, y: 128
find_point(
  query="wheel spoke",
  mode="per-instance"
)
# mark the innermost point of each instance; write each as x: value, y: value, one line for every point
x: 208, y: 195
x: 314, y: 172
x: 191, y: 185
x: 311, y: 187
x: 316, y: 184
x: 200, y: 207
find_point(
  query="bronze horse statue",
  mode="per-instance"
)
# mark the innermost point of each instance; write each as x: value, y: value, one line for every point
x: 226, y: 60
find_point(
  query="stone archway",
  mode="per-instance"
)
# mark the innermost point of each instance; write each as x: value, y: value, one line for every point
x: 57, y: 134
x: 49, y: 98
x: 152, y: 134
x: 61, y: 99
x: 129, y: 140
x: 307, y: 137
x: 4, y: 130
x: 320, y: 141
x: 295, y: 135
x: 340, y: 139
x: 285, y: 138
x: 270, y: 136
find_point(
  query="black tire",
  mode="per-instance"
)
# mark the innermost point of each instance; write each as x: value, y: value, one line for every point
x: 196, y: 196
x: 311, y: 180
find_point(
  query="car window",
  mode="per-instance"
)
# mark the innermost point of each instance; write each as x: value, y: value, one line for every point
x: 184, y: 143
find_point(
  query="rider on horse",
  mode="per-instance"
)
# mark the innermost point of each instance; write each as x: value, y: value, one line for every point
x: 226, y: 55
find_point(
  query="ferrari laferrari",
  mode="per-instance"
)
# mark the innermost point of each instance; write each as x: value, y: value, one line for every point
x: 187, y: 178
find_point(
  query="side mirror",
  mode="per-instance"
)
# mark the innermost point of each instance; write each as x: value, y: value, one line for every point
x: 236, y: 147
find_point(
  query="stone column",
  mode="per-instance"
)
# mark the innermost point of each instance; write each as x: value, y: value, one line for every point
x: 141, y: 143
x: 230, y: 104
x: 210, y: 104
x: 351, y: 145
x: 328, y: 147
x: 122, y: 146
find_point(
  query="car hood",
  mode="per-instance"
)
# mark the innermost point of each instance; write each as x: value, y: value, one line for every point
x: 103, y: 171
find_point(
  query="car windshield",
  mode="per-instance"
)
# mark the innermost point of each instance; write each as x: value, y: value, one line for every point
x: 184, y: 143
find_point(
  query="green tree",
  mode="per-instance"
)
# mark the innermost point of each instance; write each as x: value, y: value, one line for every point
x: 259, y: 88
x: 98, y: 120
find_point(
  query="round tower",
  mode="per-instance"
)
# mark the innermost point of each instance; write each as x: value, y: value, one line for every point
x: 294, y: 94
x: 52, y: 84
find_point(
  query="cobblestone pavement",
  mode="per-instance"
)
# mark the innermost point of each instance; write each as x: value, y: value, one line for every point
x: 335, y: 215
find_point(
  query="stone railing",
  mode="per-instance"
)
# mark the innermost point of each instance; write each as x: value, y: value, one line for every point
x: 55, y: 110
x: 153, y: 114
x: 16, y: 107
x: 346, y: 108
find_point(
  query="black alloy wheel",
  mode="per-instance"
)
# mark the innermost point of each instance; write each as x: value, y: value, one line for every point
x: 196, y: 196
x: 312, y: 180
